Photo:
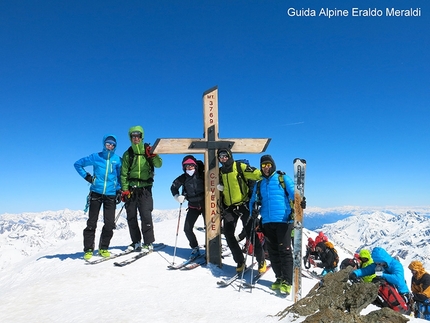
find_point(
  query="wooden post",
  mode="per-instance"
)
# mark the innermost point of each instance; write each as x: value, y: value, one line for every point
x: 209, y: 146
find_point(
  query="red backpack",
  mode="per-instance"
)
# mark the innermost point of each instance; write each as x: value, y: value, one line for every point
x: 388, y: 296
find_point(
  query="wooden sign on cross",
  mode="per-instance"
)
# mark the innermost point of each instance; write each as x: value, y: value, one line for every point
x: 209, y: 146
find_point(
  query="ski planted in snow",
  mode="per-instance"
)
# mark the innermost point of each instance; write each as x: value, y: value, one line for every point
x: 229, y: 281
x: 299, y: 191
x: 112, y: 256
x: 157, y: 247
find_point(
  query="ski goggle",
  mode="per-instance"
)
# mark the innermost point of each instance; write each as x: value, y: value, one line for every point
x: 136, y: 134
x: 263, y: 165
x: 222, y: 156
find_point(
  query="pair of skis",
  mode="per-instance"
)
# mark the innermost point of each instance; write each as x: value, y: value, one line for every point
x: 141, y: 254
x: 190, y: 263
x: 227, y: 282
x: 137, y: 255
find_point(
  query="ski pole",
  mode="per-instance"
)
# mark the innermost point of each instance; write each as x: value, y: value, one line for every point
x: 177, y: 232
x: 254, y: 221
x: 119, y: 213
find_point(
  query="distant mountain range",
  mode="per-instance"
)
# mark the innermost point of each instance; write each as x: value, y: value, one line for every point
x: 404, y: 232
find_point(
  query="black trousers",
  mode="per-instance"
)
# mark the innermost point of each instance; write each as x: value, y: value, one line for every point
x: 278, y: 239
x: 190, y: 220
x: 140, y: 200
x: 231, y: 215
x: 109, y: 206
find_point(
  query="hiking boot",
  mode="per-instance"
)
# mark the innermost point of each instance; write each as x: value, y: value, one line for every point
x: 285, y: 288
x: 88, y: 254
x: 277, y: 284
x: 240, y: 267
x: 135, y: 246
x: 104, y: 253
x: 262, y: 267
x: 195, y: 253
x: 147, y: 248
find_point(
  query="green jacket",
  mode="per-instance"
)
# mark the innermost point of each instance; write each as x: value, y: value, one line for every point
x: 235, y: 189
x: 141, y: 174
x: 364, y: 253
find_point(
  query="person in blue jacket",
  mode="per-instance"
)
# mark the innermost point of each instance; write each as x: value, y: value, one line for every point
x: 105, y: 189
x: 276, y: 220
x: 384, y: 267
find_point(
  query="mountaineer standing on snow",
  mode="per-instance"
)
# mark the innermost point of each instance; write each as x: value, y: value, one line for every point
x: 137, y: 178
x: 235, y: 197
x: 104, y: 189
x: 193, y: 190
x: 277, y: 219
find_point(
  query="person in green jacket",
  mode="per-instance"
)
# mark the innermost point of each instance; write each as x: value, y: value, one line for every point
x: 366, y: 260
x: 137, y: 177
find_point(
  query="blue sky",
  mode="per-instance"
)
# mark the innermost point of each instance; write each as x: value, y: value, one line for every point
x: 348, y: 94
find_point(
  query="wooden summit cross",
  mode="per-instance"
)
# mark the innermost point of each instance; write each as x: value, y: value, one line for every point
x: 209, y: 146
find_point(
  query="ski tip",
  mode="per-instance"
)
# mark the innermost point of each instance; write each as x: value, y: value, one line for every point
x: 299, y: 159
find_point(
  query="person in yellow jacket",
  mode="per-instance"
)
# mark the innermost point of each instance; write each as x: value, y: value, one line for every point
x: 365, y: 258
x: 420, y: 287
x: 235, y: 197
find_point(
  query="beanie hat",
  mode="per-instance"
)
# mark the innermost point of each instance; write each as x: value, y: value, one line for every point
x: 110, y: 140
x: 268, y: 159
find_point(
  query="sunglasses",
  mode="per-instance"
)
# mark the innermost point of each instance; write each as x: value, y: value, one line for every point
x: 190, y: 166
x: 136, y: 135
x: 109, y: 144
x: 223, y: 156
x: 263, y: 165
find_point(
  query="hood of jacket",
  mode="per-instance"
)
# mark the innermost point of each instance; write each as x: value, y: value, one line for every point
x: 418, y: 267
x: 106, y: 152
x: 137, y: 148
x: 380, y: 255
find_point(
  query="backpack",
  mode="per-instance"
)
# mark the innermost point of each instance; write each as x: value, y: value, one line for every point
x: 349, y: 262
x: 330, y: 246
x: 388, y: 296
x: 282, y: 183
x: 131, y: 155
x: 241, y: 176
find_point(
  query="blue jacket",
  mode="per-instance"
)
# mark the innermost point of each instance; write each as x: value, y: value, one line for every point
x: 275, y: 205
x: 393, y: 271
x: 106, y: 170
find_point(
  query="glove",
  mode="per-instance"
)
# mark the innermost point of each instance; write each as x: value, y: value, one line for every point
x: 89, y: 178
x: 312, y: 261
x: 220, y: 187
x: 303, y: 203
x: 255, y: 214
x: 148, y: 152
x: 118, y: 196
x: 352, y: 276
x: 125, y: 195
x: 179, y: 198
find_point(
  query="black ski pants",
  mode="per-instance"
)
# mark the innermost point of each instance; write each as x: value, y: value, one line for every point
x: 140, y: 200
x: 109, y: 206
x: 231, y: 215
x: 190, y: 221
x: 278, y: 239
